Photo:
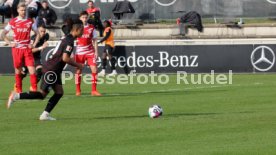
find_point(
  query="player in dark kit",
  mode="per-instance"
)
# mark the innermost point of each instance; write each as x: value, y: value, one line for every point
x: 52, y: 70
x: 39, y: 42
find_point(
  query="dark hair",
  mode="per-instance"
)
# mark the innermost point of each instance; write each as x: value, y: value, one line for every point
x: 108, y: 23
x: 68, y: 23
x: 42, y: 26
x: 77, y: 24
x: 83, y: 13
x: 44, y: 1
x: 90, y: 1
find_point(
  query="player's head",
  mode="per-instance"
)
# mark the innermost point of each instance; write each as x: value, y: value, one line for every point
x: 107, y: 23
x: 84, y: 17
x: 44, y: 4
x: 21, y: 9
x: 42, y: 30
x: 77, y: 29
x: 90, y: 4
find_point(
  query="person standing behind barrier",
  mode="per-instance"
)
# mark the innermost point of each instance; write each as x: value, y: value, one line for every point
x: 9, y: 8
x: 33, y: 7
x: 108, y: 39
x: 46, y: 15
x: 95, y: 17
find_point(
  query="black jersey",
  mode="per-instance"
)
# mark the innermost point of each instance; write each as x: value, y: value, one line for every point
x: 55, y: 63
x: 37, y: 55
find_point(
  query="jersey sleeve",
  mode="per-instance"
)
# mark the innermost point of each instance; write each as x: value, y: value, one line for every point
x: 34, y: 27
x: 8, y: 27
x: 95, y: 34
x: 68, y: 48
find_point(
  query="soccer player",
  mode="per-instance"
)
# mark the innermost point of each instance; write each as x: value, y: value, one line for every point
x: 87, y: 51
x: 21, y: 47
x: 108, y: 39
x: 52, y: 70
x: 39, y: 42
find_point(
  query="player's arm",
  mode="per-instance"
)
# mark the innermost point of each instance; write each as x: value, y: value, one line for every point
x: 34, y: 28
x: 5, y: 37
x: 41, y: 48
x: 67, y: 59
x: 106, y: 37
x: 95, y: 43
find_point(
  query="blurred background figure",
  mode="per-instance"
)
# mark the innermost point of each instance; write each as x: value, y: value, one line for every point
x: 33, y: 7
x: 95, y: 17
x: 8, y: 8
x: 46, y: 15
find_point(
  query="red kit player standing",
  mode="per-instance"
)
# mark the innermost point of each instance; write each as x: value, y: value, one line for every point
x: 87, y: 51
x: 21, y: 47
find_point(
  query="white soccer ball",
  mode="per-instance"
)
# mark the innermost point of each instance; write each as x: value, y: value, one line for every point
x: 155, y: 111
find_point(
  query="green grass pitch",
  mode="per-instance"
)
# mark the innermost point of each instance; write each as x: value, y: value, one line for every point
x: 238, y: 119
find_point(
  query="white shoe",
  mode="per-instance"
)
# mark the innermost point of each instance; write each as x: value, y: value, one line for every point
x: 102, y: 73
x: 114, y: 72
x: 12, y: 99
x: 44, y: 117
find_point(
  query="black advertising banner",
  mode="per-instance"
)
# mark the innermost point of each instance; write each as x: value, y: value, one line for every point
x: 167, y: 9
x: 170, y: 59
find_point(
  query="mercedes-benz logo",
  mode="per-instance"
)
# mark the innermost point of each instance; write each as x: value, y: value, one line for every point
x: 271, y: 1
x: 165, y: 4
x: 59, y: 4
x: 263, y: 58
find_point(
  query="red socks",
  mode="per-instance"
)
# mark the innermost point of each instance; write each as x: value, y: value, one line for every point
x: 18, y: 83
x: 78, y: 82
x: 94, y: 81
x: 33, y: 79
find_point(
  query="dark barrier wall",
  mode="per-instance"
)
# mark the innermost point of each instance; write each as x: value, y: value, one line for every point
x: 170, y: 59
x: 166, y: 9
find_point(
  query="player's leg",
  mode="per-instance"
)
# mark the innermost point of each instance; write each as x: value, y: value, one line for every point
x: 78, y: 81
x: 91, y: 61
x: 29, y: 61
x: 44, y: 90
x: 38, y: 72
x: 112, y: 60
x: 18, y: 58
x: 78, y: 59
x: 104, y: 62
x: 24, y: 73
x: 18, y: 80
x: 38, y: 69
x: 58, y: 93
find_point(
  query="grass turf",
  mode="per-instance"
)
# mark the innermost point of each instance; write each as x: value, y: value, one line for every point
x: 238, y: 119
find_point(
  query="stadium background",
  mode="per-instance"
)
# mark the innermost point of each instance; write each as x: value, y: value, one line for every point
x: 153, y: 9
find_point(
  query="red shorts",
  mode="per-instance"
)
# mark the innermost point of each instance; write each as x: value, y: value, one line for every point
x: 22, y: 57
x: 90, y: 59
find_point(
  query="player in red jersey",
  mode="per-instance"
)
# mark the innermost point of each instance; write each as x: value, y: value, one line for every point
x: 21, y: 47
x: 87, y: 51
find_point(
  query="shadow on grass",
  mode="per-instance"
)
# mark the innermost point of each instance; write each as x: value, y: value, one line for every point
x: 174, y: 92
x: 165, y: 116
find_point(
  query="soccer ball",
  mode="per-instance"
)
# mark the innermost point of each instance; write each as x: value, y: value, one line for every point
x: 155, y: 111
